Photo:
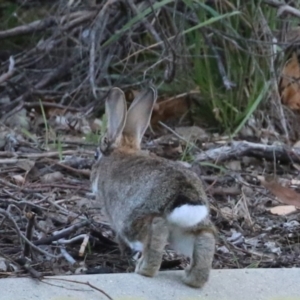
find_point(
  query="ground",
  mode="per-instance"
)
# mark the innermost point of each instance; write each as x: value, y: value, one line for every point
x: 48, y: 200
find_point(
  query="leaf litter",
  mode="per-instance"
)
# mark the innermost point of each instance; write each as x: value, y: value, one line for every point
x: 70, y: 235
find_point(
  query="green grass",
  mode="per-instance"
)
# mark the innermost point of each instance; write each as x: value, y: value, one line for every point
x: 230, y: 41
x: 232, y: 36
x: 95, y: 137
x: 46, y: 124
x: 249, y: 73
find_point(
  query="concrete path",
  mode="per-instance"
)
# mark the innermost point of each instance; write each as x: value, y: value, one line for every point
x: 247, y: 284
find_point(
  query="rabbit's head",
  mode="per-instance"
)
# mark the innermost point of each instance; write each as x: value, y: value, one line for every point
x: 125, y: 129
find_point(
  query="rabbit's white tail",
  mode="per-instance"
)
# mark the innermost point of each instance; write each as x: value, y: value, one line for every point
x: 187, y: 215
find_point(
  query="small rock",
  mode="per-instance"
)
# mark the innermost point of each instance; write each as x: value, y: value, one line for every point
x: 223, y: 249
x: 271, y: 246
x: 236, y: 238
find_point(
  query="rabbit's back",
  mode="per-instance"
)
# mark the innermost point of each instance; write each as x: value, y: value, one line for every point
x: 133, y: 186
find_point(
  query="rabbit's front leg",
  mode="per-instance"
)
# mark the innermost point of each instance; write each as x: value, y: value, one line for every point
x: 151, y: 258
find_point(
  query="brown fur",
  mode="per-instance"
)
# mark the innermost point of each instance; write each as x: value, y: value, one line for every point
x: 139, y: 191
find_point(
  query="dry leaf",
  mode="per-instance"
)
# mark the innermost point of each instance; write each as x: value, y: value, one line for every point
x: 52, y: 177
x: 289, y: 84
x: 284, y: 194
x: 169, y: 109
x: 166, y: 109
x: 19, y: 179
x: 27, y: 165
x: 283, y: 210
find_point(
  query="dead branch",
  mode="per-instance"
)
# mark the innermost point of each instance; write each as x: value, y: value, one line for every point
x: 62, y: 234
x: 17, y: 155
x: 25, y: 264
x: 19, y: 202
x: 51, y: 77
x: 29, y: 231
x: 10, y: 72
x: 283, y: 8
x: 57, y: 185
x: 242, y: 148
x: 47, y: 23
x: 29, y: 28
x: 85, y: 173
x: 34, y: 188
x: 84, y: 245
x: 53, y: 105
x: 67, y: 256
x: 22, y: 236
x: 84, y: 283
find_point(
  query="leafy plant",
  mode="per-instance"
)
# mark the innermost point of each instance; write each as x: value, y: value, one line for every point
x: 226, y: 46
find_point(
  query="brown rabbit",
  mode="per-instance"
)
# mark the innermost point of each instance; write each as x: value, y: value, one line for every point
x: 150, y: 201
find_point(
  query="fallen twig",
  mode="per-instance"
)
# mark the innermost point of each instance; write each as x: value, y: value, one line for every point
x: 19, y: 202
x: 55, y: 75
x: 55, y: 153
x: 29, y: 232
x: 61, y: 234
x: 35, y: 26
x: 40, y: 25
x: 283, y: 8
x: 53, y: 105
x: 25, y: 264
x: 84, y: 244
x: 22, y: 236
x: 84, y: 283
x: 67, y: 256
x: 243, y: 148
x: 86, y: 173
x: 70, y: 241
x: 10, y: 72
x: 42, y: 187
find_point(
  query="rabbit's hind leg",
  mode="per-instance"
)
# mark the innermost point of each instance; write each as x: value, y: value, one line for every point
x: 151, y: 258
x: 197, y: 274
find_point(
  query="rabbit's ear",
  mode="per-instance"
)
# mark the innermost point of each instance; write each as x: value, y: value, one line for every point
x: 139, y: 114
x: 115, y: 108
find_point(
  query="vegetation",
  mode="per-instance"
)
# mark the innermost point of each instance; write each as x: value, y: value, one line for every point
x: 227, y: 74
x: 223, y: 52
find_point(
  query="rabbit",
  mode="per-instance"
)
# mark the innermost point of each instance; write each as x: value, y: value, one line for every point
x: 150, y: 201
